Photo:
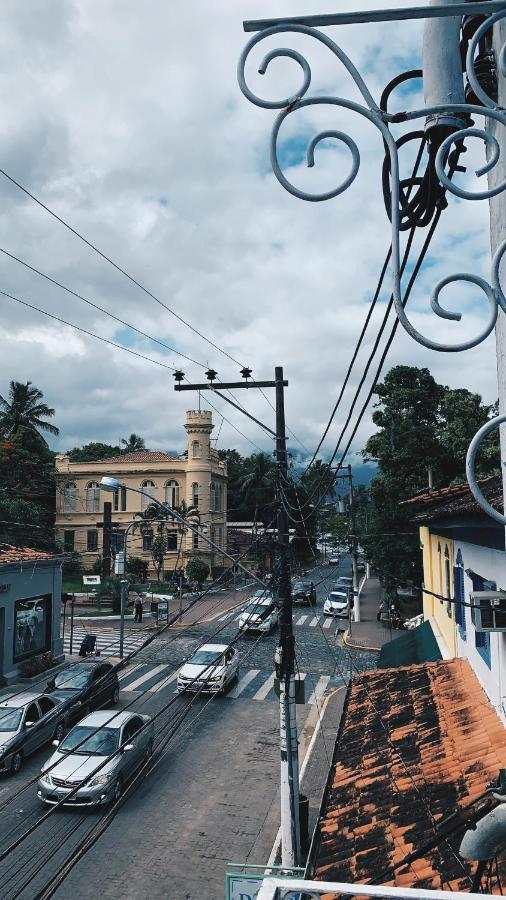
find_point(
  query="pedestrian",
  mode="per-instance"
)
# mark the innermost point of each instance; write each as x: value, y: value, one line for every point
x: 380, y: 610
x: 138, y: 608
x: 312, y: 595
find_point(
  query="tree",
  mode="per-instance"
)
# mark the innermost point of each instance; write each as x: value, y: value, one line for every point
x: 23, y: 416
x: 133, y: 444
x: 197, y: 570
x: 158, y: 551
x: 93, y: 451
x: 138, y: 567
x: 27, y: 495
x: 421, y: 425
x: 257, y: 482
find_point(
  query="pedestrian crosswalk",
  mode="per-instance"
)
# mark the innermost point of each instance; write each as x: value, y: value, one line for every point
x: 252, y: 684
x: 107, y: 641
x: 327, y: 623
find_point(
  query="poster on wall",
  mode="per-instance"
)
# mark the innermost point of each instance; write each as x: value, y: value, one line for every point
x: 31, y: 626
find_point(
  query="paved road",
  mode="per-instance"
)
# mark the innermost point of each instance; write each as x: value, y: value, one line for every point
x: 212, y: 794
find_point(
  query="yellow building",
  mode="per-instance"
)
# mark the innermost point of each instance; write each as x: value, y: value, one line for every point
x: 438, y: 562
x: 198, y: 477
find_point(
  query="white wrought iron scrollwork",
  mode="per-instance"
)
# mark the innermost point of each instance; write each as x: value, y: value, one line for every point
x: 472, y: 453
x: 371, y: 111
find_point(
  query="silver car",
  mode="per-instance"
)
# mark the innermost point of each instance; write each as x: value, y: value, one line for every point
x: 101, y: 754
x: 27, y: 722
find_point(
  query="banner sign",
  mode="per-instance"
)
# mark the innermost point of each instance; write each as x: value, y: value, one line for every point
x: 91, y: 579
x: 246, y: 881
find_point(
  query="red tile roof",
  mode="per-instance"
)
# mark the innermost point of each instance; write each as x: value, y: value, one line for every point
x: 455, y: 500
x: 10, y: 554
x: 415, y: 744
x: 140, y: 456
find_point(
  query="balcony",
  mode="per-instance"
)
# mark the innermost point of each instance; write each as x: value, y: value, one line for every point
x: 298, y: 889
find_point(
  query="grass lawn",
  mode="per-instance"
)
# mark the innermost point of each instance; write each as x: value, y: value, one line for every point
x: 73, y: 585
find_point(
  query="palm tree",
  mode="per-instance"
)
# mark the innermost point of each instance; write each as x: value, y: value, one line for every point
x: 133, y: 444
x: 191, y: 515
x: 23, y: 415
x: 153, y: 513
x: 258, y: 482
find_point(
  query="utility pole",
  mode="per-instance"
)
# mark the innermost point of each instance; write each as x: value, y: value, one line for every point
x: 285, y: 652
x: 106, y: 540
x: 354, y: 554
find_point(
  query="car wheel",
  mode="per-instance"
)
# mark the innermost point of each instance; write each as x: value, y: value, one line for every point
x: 59, y: 732
x: 115, y: 696
x: 16, y: 763
x: 118, y: 790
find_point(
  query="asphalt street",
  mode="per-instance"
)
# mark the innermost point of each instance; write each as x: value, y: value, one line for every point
x: 213, y: 781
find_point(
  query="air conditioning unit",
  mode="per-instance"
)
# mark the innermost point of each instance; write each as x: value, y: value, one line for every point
x: 488, y: 612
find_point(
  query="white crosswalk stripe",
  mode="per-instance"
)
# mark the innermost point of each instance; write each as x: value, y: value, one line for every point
x: 262, y: 692
x: 243, y: 682
x: 106, y: 641
x: 145, y: 677
x: 319, y: 690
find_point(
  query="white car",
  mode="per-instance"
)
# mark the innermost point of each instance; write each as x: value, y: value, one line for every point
x: 344, y: 583
x: 259, y: 615
x: 210, y: 670
x: 336, y: 604
x: 334, y: 560
x: 261, y: 594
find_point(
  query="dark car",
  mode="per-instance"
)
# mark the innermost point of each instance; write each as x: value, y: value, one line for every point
x: 83, y: 687
x: 301, y: 593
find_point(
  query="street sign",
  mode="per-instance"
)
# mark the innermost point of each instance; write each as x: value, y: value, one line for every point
x: 245, y: 882
x: 91, y: 579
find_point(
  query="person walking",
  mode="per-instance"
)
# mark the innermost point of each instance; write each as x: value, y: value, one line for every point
x: 138, y: 608
x: 312, y: 595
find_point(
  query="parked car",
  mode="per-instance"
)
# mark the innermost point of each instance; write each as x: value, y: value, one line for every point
x: 360, y: 566
x: 301, y: 593
x: 261, y: 594
x: 336, y: 604
x: 344, y: 583
x: 27, y: 722
x: 260, y: 615
x: 83, y: 687
x: 97, y: 738
x: 210, y: 670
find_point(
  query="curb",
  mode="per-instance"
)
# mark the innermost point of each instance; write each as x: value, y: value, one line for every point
x: 351, y: 646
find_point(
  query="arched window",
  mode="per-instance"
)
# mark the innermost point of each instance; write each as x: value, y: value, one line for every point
x: 172, y: 493
x: 70, y: 497
x: 196, y: 450
x: 195, y: 494
x: 92, y: 497
x: 213, y: 497
x: 149, y: 488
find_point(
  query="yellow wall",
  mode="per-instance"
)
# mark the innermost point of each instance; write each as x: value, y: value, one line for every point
x: 439, y: 579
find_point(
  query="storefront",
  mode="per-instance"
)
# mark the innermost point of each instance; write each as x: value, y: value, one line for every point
x: 30, y: 602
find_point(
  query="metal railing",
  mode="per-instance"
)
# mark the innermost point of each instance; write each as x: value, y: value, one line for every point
x: 298, y: 889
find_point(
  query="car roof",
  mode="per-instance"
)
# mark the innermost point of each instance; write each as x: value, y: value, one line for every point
x: 218, y: 648
x: 86, y: 664
x: 338, y: 594
x: 260, y: 601
x: 21, y: 699
x: 103, y: 717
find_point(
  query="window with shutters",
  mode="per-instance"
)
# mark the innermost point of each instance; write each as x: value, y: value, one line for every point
x: 172, y: 493
x: 92, y: 541
x: 92, y: 497
x: 482, y: 638
x: 70, y: 497
x: 149, y: 492
x: 458, y: 588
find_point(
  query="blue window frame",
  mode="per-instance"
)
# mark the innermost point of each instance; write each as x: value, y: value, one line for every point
x: 482, y: 638
x: 458, y: 588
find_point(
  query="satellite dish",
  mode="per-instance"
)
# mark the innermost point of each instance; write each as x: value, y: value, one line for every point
x: 488, y: 838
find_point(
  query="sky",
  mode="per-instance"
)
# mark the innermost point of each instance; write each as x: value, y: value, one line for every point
x: 126, y: 119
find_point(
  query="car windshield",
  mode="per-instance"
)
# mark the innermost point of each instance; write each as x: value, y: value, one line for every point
x: 205, y: 657
x: 301, y: 586
x: 72, y: 681
x: 338, y: 598
x: 90, y: 742
x: 254, y: 608
x: 262, y: 594
x: 10, y: 718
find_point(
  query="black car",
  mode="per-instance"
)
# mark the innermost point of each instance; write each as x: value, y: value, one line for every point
x: 83, y: 687
x: 301, y: 593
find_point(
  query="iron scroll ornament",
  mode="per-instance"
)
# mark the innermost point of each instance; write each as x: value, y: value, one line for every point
x: 371, y: 111
x: 472, y: 453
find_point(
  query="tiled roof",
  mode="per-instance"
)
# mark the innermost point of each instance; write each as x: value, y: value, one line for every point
x: 10, y: 554
x: 455, y: 500
x: 140, y: 456
x: 415, y: 741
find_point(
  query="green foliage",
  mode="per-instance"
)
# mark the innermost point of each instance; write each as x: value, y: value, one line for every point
x: 138, y: 568
x: 421, y: 425
x: 97, y: 566
x: 23, y: 416
x: 37, y: 664
x: 158, y: 551
x: 72, y: 565
x: 27, y: 498
x: 93, y: 451
x: 133, y: 444
x: 110, y: 587
x: 197, y: 570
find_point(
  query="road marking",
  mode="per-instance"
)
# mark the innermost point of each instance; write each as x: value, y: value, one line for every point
x: 261, y: 694
x: 164, y: 682
x: 243, y: 683
x: 319, y: 690
x: 327, y: 623
x: 301, y: 620
x: 313, y: 622
x: 145, y: 677
x: 130, y: 671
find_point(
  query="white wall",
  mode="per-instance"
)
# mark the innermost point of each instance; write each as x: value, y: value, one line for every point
x: 491, y: 564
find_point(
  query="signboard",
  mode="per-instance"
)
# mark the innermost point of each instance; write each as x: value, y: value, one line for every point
x: 245, y: 882
x: 91, y: 579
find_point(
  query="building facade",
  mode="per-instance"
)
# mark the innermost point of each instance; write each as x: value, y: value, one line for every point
x: 464, y: 552
x: 197, y: 478
x: 30, y: 608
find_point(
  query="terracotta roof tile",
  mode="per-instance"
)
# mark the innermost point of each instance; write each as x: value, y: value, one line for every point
x: 416, y: 743
x: 140, y: 456
x: 10, y: 554
x: 454, y: 500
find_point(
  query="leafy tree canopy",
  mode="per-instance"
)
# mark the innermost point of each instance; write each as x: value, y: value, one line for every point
x: 197, y: 569
x: 93, y: 451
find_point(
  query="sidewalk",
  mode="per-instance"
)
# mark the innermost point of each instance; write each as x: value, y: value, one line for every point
x: 369, y: 634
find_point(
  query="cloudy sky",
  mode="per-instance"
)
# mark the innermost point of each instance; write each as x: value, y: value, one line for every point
x: 127, y: 121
